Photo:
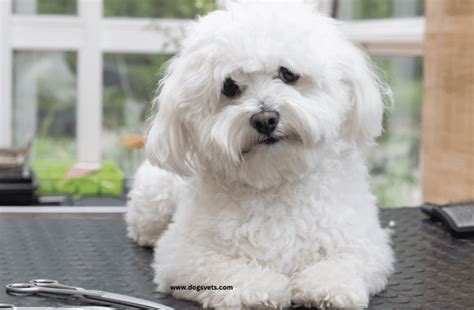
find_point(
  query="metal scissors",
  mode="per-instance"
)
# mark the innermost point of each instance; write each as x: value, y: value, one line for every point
x: 53, y: 287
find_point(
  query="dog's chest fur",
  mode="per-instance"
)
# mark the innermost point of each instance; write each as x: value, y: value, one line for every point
x: 284, y: 229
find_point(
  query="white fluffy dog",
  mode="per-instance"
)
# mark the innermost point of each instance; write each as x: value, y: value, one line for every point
x: 261, y: 123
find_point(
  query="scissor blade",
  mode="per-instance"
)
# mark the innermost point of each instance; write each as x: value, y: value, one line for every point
x: 125, y: 300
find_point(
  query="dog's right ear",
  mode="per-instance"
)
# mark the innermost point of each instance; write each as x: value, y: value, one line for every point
x: 183, y: 94
x: 168, y: 143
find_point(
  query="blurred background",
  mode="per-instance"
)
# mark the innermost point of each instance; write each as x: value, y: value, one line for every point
x: 79, y: 76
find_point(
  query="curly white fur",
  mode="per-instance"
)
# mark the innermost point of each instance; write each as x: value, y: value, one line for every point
x: 288, y: 222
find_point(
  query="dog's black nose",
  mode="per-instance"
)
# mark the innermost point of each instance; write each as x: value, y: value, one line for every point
x: 265, y: 122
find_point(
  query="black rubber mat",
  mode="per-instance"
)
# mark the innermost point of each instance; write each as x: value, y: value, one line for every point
x: 433, y: 270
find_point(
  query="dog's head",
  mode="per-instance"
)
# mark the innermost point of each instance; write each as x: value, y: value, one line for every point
x: 258, y: 90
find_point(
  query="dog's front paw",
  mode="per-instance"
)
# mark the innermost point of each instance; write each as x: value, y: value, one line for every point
x: 328, y: 291
x: 258, y: 295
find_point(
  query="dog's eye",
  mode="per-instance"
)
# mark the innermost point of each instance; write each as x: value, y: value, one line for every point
x: 230, y: 88
x: 287, y: 76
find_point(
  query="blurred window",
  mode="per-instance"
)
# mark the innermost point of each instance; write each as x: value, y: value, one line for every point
x: 394, y: 162
x: 375, y: 9
x: 158, y: 8
x: 55, y: 7
x: 44, y: 83
x: 45, y: 91
x: 129, y: 83
x: 44, y: 102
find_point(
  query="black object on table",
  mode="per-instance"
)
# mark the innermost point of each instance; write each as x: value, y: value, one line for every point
x: 17, y: 187
x: 458, y: 218
x: 433, y: 271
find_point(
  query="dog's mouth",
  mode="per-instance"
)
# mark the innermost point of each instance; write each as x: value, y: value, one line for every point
x: 272, y: 140
x: 269, y: 140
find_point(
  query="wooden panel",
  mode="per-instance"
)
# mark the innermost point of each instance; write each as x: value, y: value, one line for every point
x: 448, y: 108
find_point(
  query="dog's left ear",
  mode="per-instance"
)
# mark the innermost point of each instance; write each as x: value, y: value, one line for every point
x: 368, y: 94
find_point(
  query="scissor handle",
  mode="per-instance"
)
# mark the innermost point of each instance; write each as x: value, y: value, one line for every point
x: 30, y: 289
x: 22, y: 288
x: 53, y: 284
x: 43, y: 281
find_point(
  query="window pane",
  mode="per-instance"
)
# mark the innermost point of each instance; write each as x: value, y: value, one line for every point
x: 44, y: 103
x: 395, y: 160
x: 32, y: 7
x: 371, y: 9
x: 158, y: 8
x: 129, y: 85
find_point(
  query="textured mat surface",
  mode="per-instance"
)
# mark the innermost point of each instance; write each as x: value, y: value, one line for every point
x: 433, y: 270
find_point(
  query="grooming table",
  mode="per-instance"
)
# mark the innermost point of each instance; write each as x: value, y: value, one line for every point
x: 433, y: 269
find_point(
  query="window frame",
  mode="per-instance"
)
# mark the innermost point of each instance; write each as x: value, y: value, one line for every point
x: 90, y: 35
